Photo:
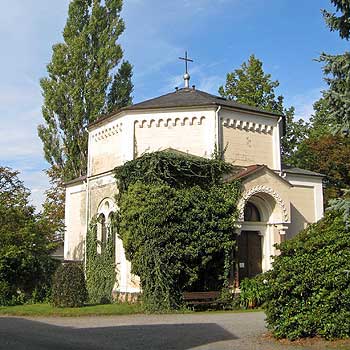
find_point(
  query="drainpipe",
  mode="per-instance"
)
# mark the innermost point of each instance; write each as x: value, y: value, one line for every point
x: 87, y: 196
x: 217, y: 129
x: 279, y: 142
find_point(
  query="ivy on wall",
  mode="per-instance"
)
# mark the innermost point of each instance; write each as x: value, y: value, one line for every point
x: 100, y: 265
x: 176, y: 222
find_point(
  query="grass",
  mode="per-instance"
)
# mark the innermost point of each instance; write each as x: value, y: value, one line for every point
x: 89, y: 310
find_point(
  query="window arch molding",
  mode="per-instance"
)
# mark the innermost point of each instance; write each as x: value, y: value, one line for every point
x: 105, y: 212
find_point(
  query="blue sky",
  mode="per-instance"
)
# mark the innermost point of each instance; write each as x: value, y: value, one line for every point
x: 287, y: 35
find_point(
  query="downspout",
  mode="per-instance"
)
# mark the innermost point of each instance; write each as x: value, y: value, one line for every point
x: 279, y: 142
x: 87, y: 197
x: 217, y: 130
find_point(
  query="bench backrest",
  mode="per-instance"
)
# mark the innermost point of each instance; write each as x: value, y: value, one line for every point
x: 201, y: 295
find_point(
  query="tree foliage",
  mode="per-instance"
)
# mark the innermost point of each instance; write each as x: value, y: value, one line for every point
x: 53, y: 207
x: 309, y: 286
x: 79, y: 80
x: 25, y: 243
x: 339, y: 21
x: 176, y: 221
x: 12, y: 190
x: 120, y: 93
x: 329, y: 155
x: 250, y: 85
x: 337, y: 75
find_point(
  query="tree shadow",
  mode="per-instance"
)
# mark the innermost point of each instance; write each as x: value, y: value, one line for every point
x: 18, y: 333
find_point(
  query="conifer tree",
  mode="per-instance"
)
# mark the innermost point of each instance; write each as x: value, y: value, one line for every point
x: 337, y: 97
x: 79, y: 79
x: 250, y: 85
x: 120, y: 93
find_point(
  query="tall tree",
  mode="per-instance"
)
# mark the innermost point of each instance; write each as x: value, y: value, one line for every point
x: 337, y: 69
x: 120, y: 93
x: 250, y: 85
x: 79, y: 80
x: 337, y: 76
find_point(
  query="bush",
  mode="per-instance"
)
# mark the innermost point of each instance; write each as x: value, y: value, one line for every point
x: 309, y: 286
x: 5, y: 294
x: 69, y: 287
x: 253, y: 292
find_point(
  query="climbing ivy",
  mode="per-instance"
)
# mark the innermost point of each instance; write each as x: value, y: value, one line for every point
x: 174, y: 168
x: 100, y: 265
x: 176, y: 222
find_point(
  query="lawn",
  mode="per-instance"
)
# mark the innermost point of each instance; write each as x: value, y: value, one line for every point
x: 90, y: 310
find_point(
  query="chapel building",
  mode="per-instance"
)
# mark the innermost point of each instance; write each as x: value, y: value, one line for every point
x: 276, y: 203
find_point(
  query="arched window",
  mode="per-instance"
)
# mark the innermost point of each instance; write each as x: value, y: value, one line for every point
x: 251, y: 212
x: 102, y: 229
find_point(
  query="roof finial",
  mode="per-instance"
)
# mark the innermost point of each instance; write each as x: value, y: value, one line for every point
x: 186, y: 75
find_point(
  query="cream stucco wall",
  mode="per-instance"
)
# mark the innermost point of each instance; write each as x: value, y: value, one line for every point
x: 306, y: 201
x: 105, y: 147
x: 75, y: 222
x: 187, y: 131
x: 250, y: 139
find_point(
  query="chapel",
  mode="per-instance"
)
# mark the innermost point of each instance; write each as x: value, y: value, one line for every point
x: 276, y: 202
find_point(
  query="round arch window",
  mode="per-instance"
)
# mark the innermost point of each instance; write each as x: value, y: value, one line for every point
x: 251, y: 213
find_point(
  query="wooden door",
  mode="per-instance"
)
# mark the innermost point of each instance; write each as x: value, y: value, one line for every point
x: 249, y: 254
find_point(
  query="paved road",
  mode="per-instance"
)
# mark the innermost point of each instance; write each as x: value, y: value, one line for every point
x: 175, y: 332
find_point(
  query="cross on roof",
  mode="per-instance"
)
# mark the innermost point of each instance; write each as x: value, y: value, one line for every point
x: 186, y: 59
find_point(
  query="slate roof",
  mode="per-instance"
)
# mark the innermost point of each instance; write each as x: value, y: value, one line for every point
x: 187, y: 98
x: 298, y: 171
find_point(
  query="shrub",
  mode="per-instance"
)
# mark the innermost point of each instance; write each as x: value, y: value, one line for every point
x: 309, y: 286
x: 69, y: 287
x: 253, y: 292
x: 5, y: 294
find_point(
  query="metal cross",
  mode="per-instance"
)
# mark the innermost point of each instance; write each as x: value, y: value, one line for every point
x: 186, y: 59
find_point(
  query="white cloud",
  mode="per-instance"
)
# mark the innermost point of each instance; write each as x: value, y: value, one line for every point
x: 303, y: 103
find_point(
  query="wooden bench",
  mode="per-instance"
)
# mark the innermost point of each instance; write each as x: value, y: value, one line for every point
x: 201, y: 298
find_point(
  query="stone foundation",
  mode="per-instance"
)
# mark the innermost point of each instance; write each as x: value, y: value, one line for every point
x: 126, y: 297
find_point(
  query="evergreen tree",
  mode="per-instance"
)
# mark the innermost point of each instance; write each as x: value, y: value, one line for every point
x: 337, y: 69
x: 337, y: 97
x: 340, y: 22
x: 250, y: 85
x: 79, y: 79
x: 120, y: 93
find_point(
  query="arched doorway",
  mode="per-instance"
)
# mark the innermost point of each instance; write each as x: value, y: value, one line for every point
x: 263, y: 216
x: 249, y: 245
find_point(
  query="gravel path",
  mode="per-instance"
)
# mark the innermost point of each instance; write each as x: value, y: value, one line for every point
x: 178, y: 331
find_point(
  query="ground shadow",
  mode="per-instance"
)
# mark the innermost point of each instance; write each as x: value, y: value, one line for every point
x: 18, y: 333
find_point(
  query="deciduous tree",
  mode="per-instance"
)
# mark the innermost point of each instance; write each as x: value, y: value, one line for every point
x: 79, y: 81
x: 25, y: 245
